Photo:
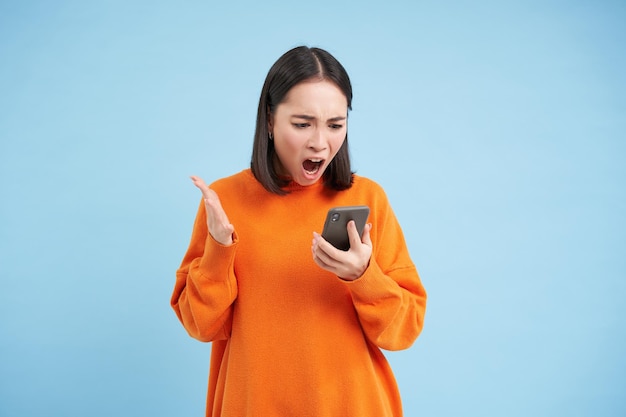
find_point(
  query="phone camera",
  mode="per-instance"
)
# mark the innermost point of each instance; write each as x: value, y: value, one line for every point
x: 334, y: 217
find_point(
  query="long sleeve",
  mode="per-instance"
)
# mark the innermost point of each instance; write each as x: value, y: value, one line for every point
x: 390, y: 306
x: 290, y: 338
x: 389, y: 298
x: 205, y: 285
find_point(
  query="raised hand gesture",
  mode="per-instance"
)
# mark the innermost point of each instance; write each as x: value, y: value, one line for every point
x: 217, y: 221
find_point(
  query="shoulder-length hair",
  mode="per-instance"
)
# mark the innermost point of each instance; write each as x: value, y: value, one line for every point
x: 295, y: 66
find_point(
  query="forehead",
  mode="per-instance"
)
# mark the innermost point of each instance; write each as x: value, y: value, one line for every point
x: 316, y: 95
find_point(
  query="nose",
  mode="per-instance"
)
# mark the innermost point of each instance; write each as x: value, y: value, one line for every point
x: 317, y: 141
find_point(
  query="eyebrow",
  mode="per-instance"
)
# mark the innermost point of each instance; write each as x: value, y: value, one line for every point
x: 307, y: 117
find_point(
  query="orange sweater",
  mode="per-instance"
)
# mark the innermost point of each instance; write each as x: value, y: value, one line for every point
x: 289, y: 338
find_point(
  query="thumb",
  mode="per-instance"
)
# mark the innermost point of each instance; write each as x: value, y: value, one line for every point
x: 353, y: 234
x: 366, y: 239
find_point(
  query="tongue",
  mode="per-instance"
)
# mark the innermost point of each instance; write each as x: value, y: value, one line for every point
x: 309, y: 165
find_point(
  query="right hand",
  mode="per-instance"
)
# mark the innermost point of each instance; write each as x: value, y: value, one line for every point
x: 219, y: 227
x: 347, y: 265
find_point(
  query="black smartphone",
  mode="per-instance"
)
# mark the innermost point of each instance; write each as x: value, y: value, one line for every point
x: 335, y: 227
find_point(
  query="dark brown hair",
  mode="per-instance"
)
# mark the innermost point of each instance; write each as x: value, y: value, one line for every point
x: 295, y: 66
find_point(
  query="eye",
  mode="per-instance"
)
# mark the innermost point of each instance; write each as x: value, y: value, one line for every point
x: 335, y: 126
x: 301, y: 125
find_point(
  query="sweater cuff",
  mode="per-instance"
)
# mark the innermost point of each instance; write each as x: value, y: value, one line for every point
x: 370, y: 286
x: 216, y: 254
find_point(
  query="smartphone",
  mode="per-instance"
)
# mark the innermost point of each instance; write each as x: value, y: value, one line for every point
x: 335, y: 227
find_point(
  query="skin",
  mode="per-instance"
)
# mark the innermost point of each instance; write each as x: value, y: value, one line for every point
x: 310, y: 124
x: 217, y: 220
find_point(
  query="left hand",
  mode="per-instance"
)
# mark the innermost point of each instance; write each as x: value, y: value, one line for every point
x: 347, y: 265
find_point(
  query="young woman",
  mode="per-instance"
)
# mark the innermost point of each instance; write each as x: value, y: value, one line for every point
x: 297, y: 325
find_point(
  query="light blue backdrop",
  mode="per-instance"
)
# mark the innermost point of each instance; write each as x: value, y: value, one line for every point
x: 496, y: 127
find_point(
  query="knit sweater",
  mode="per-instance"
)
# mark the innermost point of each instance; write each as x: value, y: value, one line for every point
x: 289, y: 338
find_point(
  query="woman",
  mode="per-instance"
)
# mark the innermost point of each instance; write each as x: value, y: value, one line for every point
x: 297, y: 325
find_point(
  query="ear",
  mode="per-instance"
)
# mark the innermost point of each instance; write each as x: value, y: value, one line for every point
x: 270, y: 120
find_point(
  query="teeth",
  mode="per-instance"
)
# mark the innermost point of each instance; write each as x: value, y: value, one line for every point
x: 313, y: 165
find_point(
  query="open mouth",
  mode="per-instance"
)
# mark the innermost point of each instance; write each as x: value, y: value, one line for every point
x: 312, y: 166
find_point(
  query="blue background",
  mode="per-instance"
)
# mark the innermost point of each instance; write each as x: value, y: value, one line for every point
x: 497, y: 129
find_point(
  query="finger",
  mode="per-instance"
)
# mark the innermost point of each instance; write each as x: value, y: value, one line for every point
x: 325, y: 258
x: 325, y: 262
x: 366, y: 239
x: 322, y: 245
x: 329, y: 256
x: 199, y: 182
x: 353, y: 234
x: 316, y: 237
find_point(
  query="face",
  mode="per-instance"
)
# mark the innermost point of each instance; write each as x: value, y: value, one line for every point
x: 309, y: 127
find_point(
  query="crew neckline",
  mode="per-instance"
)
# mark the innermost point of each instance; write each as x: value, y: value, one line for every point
x: 294, y: 186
